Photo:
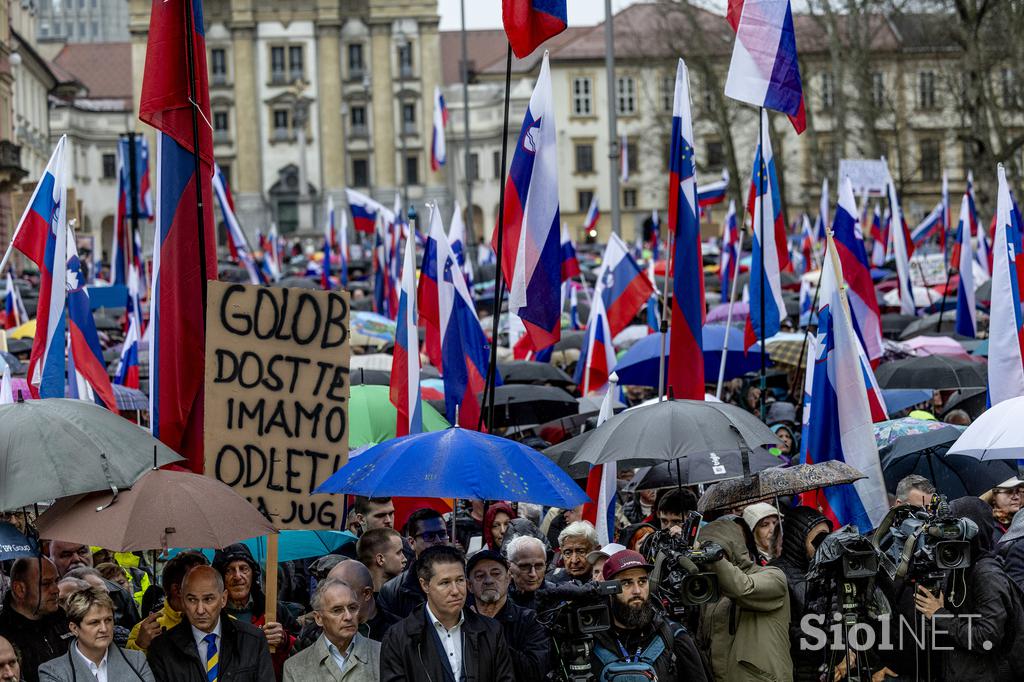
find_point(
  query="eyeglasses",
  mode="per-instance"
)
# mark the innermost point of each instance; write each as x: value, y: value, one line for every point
x: 434, y: 536
x: 532, y: 568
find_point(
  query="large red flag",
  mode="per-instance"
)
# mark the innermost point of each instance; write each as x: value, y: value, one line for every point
x: 174, y: 78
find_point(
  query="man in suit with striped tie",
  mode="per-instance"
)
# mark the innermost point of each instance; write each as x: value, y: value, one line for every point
x: 206, y: 647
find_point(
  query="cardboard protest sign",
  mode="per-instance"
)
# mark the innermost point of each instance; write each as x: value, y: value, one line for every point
x: 277, y: 391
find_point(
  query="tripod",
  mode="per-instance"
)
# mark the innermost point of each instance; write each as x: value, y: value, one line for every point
x: 857, y: 667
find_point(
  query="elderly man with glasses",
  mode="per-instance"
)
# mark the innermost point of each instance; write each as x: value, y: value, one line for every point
x: 402, y: 594
x: 575, y: 544
x: 527, y: 564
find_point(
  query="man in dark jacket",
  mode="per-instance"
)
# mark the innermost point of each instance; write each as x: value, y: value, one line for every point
x: 639, y: 632
x: 209, y: 640
x: 31, y: 620
x: 442, y: 641
x: 247, y: 603
x: 402, y: 594
x: 528, y: 642
x: 527, y: 564
x: 802, y: 532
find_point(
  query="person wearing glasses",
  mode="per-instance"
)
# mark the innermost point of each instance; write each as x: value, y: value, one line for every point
x: 1005, y: 500
x: 576, y: 543
x: 527, y: 564
x: 402, y: 594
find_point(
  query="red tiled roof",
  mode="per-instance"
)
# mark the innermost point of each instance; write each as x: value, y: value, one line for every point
x: 105, y: 69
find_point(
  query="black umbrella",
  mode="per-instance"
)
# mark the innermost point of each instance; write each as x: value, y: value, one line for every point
x: 563, y: 453
x: 932, y: 371
x: 19, y: 345
x: 365, y: 304
x: 571, y: 339
x: 777, y: 482
x: 369, y: 377
x: 929, y: 326
x: 694, y: 470
x: 520, y: 404
x: 953, y: 475
x: 529, y: 372
x: 296, y: 283
x: 670, y: 429
x: 973, y: 401
x: 893, y: 324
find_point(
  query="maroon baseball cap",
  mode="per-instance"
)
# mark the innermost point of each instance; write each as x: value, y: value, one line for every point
x: 624, y: 560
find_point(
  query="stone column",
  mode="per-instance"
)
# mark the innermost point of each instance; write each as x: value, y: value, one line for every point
x: 332, y: 149
x: 384, y: 132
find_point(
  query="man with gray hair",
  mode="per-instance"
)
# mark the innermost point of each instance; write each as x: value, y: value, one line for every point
x: 575, y: 542
x: 527, y: 564
x: 915, y: 490
x: 340, y: 652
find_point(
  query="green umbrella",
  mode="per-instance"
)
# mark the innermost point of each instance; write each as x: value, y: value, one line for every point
x: 372, y: 417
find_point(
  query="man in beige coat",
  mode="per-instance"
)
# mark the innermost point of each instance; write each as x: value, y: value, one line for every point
x: 746, y: 632
x: 340, y: 654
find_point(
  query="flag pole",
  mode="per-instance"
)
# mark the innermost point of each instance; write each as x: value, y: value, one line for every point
x: 200, y: 219
x: 762, y: 172
x: 499, y: 280
x: 728, y: 320
x: 664, y: 321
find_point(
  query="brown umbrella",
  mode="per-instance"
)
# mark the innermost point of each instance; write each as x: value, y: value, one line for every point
x: 777, y: 482
x: 163, y: 509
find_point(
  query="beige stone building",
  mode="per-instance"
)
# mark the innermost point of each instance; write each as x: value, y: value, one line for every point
x: 309, y: 97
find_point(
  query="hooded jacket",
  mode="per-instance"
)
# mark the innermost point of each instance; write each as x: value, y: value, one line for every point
x: 794, y: 562
x: 489, y: 515
x: 746, y: 632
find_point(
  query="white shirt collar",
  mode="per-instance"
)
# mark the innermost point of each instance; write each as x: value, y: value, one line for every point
x: 199, y: 635
x: 93, y: 668
x: 437, y: 622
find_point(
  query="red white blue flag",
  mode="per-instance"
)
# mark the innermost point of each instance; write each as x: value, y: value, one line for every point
x: 931, y: 226
x: 405, y: 362
x: 87, y: 373
x: 821, y: 222
x: 342, y: 234
x: 770, y: 248
x: 128, y: 371
x: 902, y: 248
x: 840, y: 424
x: 602, y: 486
x: 457, y: 239
x: 238, y: 247
x: 42, y: 235
x: 686, y: 357
x: 364, y: 211
x: 598, y: 357
x: 445, y: 304
x: 438, y: 149
x: 621, y: 284
x: 528, y: 23
x: 143, y: 203
x: 330, y: 243
x: 963, y: 261
x: 879, y: 239
x: 1006, y: 321
x: 764, y: 70
x: 593, y: 215
x: 170, y: 90
x: 713, y: 192
x: 807, y: 244
x: 531, y: 262
x: 849, y: 243
x: 570, y: 263
x: 15, y: 314
x: 730, y: 252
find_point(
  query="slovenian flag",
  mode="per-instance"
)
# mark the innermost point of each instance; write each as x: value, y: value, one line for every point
x: 849, y: 244
x: 764, y: 70
x: 528, y: 23
x: 902, y: 248
x: 128, y: 371
x: 570, y: 263
x: 438, y: 150
x: 1006, y: 322
x: 405, y: 362
x: 364, y: 211
x: 598, y: 358
x: 686, y: 357
x: 15, y: 314
x: 602, y: 486
x: 963, y: 260
x: 931, y: 226
x: 621, y: 284
x: 237, y: 246
x: 730, y: 251
x: 593, y: 215
x: 87, y: 373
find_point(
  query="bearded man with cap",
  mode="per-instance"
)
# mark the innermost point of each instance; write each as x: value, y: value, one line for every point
x: 640, y: 635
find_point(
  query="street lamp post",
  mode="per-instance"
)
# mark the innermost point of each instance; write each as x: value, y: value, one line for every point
x: 300, y: 114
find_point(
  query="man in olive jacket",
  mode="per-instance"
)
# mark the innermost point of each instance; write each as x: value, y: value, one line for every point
x: 442, y: 641
x: 747, y: 630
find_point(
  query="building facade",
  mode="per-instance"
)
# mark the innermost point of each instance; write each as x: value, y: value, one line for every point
x: 308, y: 98
x: 82, y: 21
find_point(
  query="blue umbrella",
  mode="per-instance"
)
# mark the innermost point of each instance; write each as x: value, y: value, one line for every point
x: 14, y: 544
x: 292, y: 545
x: 456, y: 463
x: 639, y: 365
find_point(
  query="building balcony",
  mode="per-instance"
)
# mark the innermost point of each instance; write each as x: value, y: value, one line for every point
x: 359, y: 131
x: 11, y: 171
x: 221, y: 137
x: 219, y: 79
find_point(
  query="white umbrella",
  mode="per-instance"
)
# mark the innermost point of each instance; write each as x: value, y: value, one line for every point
x: 996, y: 434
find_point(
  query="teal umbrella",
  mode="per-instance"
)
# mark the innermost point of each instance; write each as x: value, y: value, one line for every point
x: 292, y: 545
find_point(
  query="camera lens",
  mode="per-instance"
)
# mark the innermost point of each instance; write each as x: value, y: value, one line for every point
x: 950, y: 555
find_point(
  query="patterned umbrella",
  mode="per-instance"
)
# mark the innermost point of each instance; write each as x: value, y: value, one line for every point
x: 787, y: 349
x: 888, y: 432
x: 777, y: 482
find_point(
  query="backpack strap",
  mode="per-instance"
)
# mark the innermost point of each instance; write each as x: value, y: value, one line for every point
x: 653, y: 651
x: 605, y: 655
x: 668, y: 632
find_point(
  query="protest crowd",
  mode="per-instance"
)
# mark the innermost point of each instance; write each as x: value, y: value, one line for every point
x: 396, y: 459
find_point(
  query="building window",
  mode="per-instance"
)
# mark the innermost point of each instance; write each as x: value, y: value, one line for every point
x: 497, y: 164
x: 355, y: 60
x: 625, y: 95
x: 828, y: 90
x: 277, y: 67
x: 631, y: 157
x: 583, y: 199
x: 581, y: 96
x: 412, y: 169
x: 878, y: 90
x: 405, y: 60
x: 296, y: 68
x: 1008, y: 83
x: 361, y: 172
x: 94, y: 28
x: 926, y: 90
x: 409, y: 118
x: 281, y: 124
x: 220, y: 122
x: 584, y: 158
x: 218, y: 65
x: 357, y: 119
x: 714, y: 155
x: 109, y: 166
x: 473, y: 167
x: 931, y: 160
x: 668, y: 93
x: 629, y: 198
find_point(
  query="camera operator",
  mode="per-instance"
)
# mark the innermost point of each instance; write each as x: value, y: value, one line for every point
x: 978, y: 611
x: 640, y: 638
x: 803, y: 530
x: 747, y: 630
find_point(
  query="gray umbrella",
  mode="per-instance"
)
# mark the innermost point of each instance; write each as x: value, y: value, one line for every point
x: 694, y: 470
x: 647, y: 435
x: 932, y: 371
x: 56, y: 447
x: 777, y: 482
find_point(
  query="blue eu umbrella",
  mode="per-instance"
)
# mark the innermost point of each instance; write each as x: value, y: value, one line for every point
x: 292, y: 545
x: 639, y: 365
x: 456, y: 463
x: 14, y: 544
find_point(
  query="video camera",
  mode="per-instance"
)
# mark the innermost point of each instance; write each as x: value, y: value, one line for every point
x: 573, y: 614
x: 678, y: 580
x: 921, y: 545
